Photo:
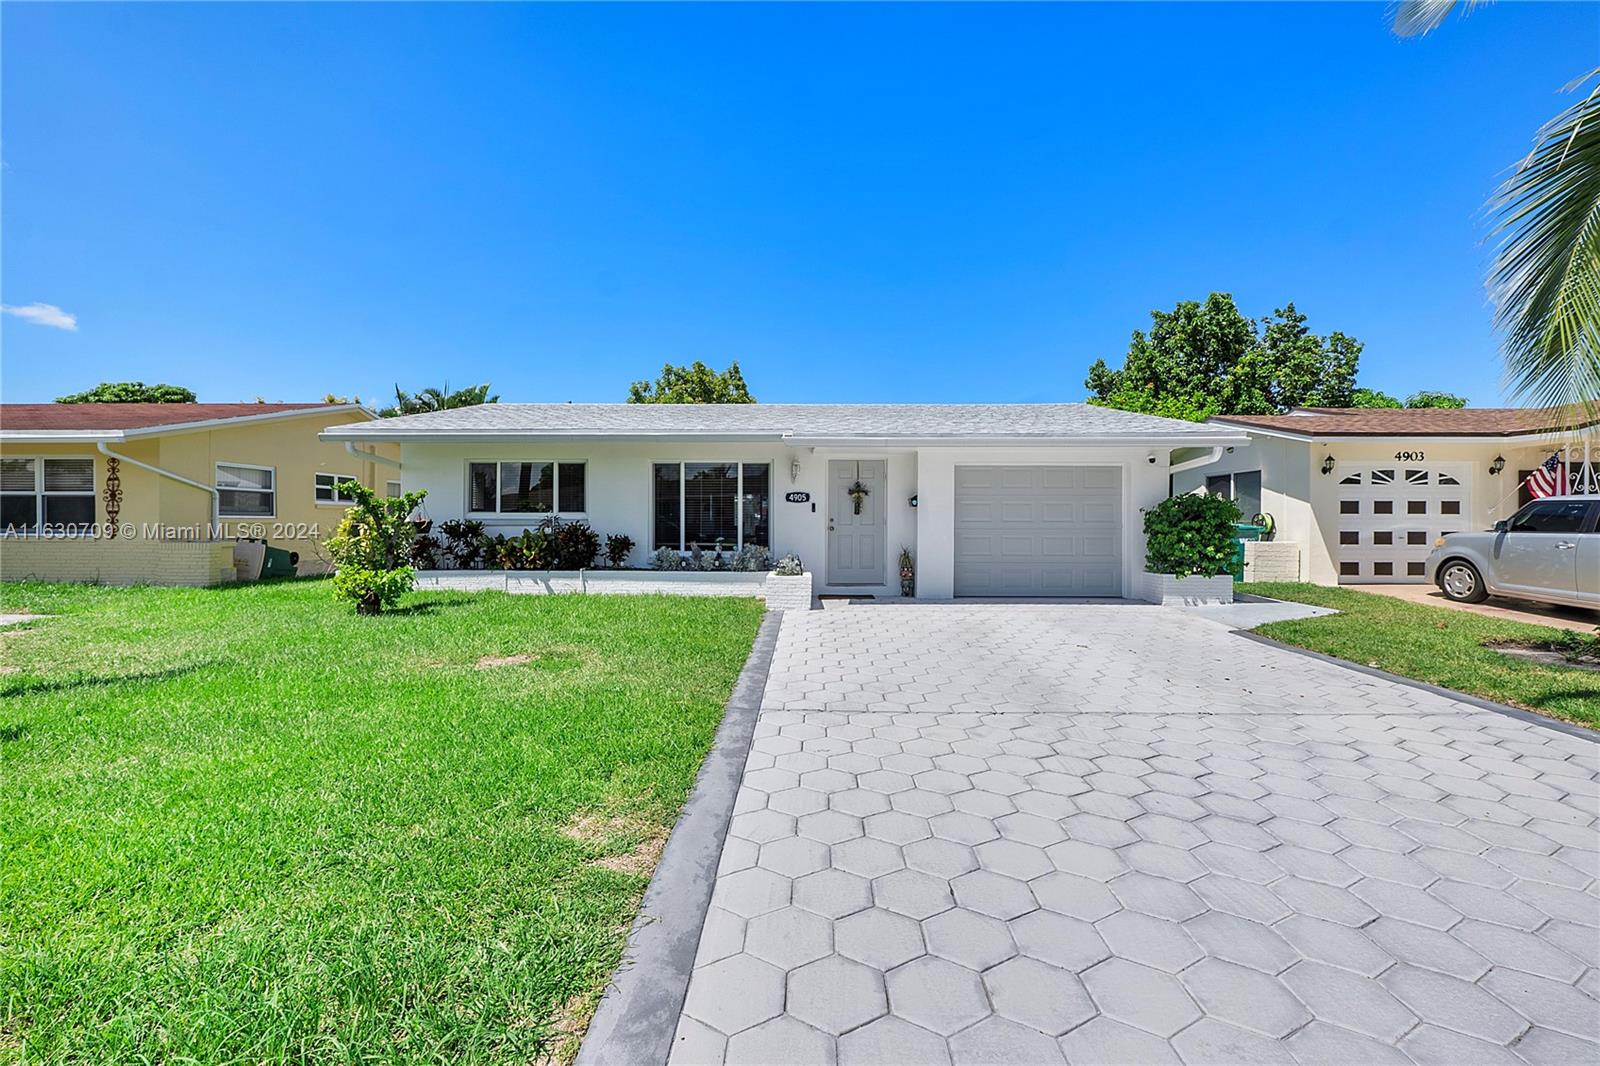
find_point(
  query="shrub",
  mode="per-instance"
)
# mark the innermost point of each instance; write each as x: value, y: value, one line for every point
x: 752, y: 558
x: 618, y: 547
x: 666, y: 559
x: 789, y: 566
x: 425, y: 552
x: 372, y: 546
x: 575, y: 545
x: 464, y: 542
x: 1190, y: 535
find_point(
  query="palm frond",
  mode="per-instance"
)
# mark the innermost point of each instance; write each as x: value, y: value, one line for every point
x: 1414, y: 18
x: 1546, y: 277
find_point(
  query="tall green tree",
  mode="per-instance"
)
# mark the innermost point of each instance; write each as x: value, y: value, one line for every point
x: 1373, y: 398
x: 1204, y: 359
x: 417, y: 403
x: 695, y: 383
x: 1433, y: 398
x: 130, y: 392
x: 1545, y: 281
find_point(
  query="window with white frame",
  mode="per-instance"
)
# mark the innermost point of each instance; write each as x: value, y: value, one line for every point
x: 712, y: 503
x: 42, y: 494
x: 328, y: 490
x: 246, y: 491
x: 391, y: 489
x: 527, y: 487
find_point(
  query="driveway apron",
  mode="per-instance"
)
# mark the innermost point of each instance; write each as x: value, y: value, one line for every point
x: 1008, y: 833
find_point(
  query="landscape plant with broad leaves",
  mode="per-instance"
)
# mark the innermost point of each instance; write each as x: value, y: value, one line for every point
x: 371, y: 548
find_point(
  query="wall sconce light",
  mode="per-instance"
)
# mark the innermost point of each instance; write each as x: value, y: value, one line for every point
x: 1497, y: 465
x: 794, y: 471
x: 913, y: 500
x: 1327, y: 466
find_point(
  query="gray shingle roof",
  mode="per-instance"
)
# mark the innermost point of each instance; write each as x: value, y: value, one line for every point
x: 802, y: 422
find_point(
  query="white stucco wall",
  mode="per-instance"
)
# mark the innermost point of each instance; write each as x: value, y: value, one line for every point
x: 619, y: 495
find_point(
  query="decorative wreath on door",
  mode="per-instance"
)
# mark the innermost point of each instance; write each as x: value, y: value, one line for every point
x: 858, y: 491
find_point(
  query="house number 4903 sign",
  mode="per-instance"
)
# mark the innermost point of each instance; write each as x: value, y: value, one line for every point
x: 1409, y: 457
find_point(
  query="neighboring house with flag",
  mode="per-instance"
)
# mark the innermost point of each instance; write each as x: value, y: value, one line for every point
x: 159, y: 493
x: 1358, y: 495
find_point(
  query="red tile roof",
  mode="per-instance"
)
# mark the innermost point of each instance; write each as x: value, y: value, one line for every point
x: 120, y: 416
x: 1404, y: 422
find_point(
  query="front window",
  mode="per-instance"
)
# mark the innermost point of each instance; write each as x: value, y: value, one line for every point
x: 712, y: 503
x: 328, y: 490
x: 391, y: 489
x: 526, y: 488
x: 246, y: 491
x: 46, y: 494
x: 1551, y: 516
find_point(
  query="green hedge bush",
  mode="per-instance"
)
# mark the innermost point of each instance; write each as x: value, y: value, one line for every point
x: 1190, y: 535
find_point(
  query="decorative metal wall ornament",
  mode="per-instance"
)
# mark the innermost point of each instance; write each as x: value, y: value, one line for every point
x: 112, y: 496
x: 858, y: 491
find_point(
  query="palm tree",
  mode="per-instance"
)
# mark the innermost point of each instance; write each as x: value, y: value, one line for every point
x: 430, y: 399
x: 1545, y: 281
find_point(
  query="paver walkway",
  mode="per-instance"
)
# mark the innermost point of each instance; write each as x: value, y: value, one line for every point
x: 1119, y: 834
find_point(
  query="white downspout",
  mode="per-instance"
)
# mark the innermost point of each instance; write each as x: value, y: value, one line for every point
x: 210, y: 490
x: 1190, y: 464
x: 350, y: 446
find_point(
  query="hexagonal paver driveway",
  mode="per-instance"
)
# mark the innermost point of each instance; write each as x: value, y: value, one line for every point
x: 1121, y: 834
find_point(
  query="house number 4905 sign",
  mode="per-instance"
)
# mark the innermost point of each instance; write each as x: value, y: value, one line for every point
x: 797, y: 497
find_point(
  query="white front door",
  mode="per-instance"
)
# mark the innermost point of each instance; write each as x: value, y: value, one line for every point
x: 856, y: 532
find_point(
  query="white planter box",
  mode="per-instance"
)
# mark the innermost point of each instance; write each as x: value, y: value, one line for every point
x: 599, y: 582
x: 789, y: 592
x: 1171, y: 591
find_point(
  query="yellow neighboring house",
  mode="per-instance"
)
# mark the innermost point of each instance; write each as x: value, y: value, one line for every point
x: 152, y: 493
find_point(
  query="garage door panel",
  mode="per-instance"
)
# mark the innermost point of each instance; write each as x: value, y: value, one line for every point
x: 1103, y: 513
x: 1019, y: 511
x: 1038, y: 531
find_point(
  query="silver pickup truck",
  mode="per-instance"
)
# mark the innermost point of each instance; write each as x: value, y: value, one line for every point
x: 1548, y: 551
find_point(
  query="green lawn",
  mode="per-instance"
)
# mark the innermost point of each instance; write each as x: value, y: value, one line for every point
x: 1438, y: 645
x: 246, y: 825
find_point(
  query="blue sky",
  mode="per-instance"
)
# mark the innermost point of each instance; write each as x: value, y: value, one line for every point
x: 856, y: 202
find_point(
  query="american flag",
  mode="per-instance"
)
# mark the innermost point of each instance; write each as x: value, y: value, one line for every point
x: 1549, y: 479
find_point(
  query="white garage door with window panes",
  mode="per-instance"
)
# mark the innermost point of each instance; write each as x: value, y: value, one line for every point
x: 1390, y: 514
x: 1038, y: 531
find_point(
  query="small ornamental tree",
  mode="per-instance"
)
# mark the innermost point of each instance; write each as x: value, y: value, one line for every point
x: 1190, y: 535
x: 372, y: 548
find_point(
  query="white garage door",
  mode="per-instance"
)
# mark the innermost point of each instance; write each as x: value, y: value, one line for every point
x: 1038, y: 531
x: 1390, y: 514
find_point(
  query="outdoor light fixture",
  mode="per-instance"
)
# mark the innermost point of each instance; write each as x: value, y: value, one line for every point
x: 1498, y: 465
x: 913, y: 500
x: 1327, y: 466
x: 794, y: 471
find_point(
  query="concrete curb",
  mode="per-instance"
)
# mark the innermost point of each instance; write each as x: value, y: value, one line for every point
x: 1518, y: 713
x: 636, y: 1021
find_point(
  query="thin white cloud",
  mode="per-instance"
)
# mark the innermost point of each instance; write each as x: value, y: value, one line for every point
x: 42, y: 315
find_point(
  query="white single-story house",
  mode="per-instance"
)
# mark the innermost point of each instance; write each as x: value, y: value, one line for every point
x: 1363, y: 493
x: 992, y: 499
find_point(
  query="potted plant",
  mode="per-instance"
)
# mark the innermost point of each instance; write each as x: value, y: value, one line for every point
x: 908, y: 572
x: 789, y: 585
x: 1189, y: 549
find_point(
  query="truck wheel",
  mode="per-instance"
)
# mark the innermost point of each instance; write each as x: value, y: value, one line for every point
x: 1460, y: 581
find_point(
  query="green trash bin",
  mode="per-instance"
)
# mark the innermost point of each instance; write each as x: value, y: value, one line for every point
x: 1243, y: 531
x: 279, y: 563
